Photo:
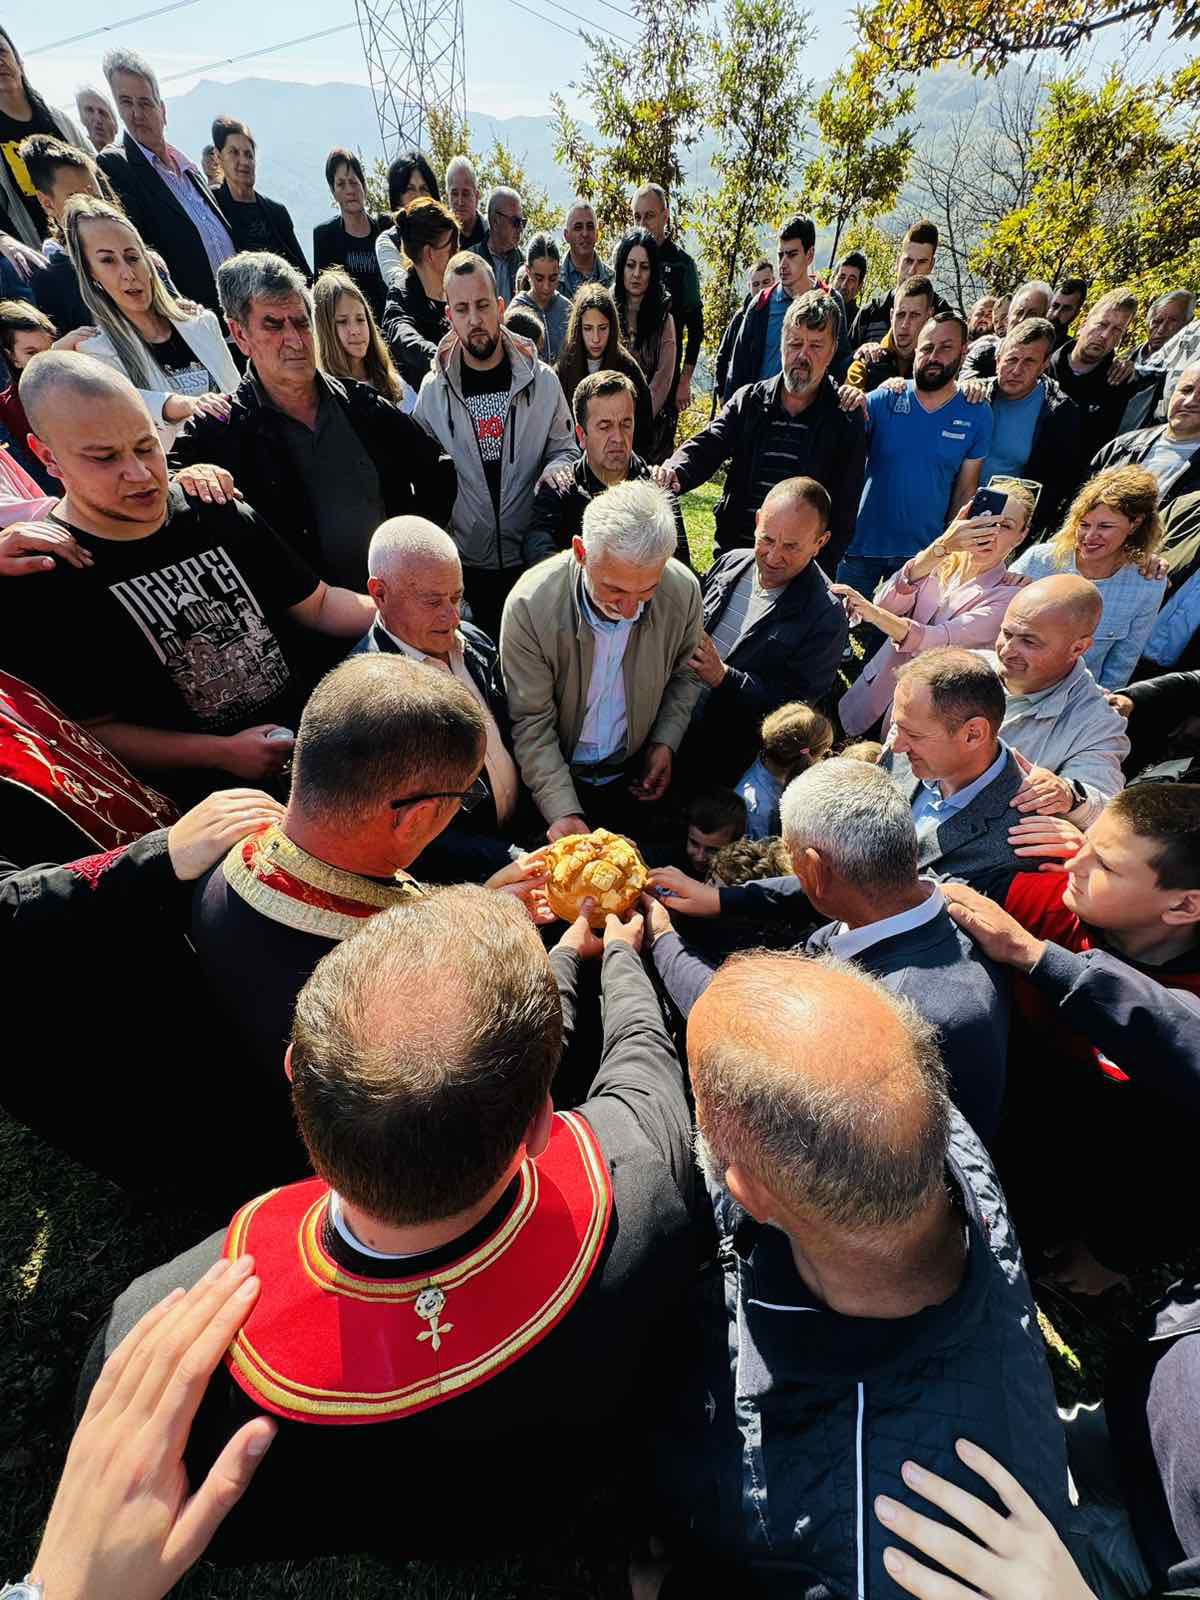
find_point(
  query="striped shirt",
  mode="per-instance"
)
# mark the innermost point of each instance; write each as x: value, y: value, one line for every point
x: 784, y: 444
x: 214, y: 235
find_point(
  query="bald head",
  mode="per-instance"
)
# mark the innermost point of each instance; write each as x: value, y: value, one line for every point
x: 1048, y: 626
x: 54, y: 383
x: 822, y: 1087
x: 416, y: 583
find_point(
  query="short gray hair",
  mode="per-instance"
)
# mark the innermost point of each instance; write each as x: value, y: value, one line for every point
x: 633, y: 521
x: 1034, y: 286
x: 1174, y: 294
x: 461, y: 164
x: 51, y: 373
x: 857, y: 820
x: 122, y: 60
x: 401, y: 540
x: 815, y: 309
x: 257, y: 275
x: 501, y: 192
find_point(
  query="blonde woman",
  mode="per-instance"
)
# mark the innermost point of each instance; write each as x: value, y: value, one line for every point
x: 179, y: 361
x: 349, y: 344
x: 955, y: 592
x: 1111, y: 536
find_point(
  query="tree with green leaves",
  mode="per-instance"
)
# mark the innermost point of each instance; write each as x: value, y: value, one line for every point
x: 859, y: 172
x: 911, y: 35
x: 755, y: 105
x: 1115, y: 193
x: 647, y: 102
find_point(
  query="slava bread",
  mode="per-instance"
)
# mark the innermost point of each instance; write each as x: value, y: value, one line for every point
x: 600, y: 866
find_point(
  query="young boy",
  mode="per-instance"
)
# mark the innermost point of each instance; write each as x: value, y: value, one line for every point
x: 715, y: 818
x: 792, y: 739
x: 1098, y: 1147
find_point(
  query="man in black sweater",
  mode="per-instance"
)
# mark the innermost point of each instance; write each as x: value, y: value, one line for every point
x: 476, y: 1281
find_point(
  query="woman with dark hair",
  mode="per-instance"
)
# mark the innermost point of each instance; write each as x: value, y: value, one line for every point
x: 593, y: 344
x: 22, y: 112
x: 348, y: 240
x: 410, y: 177
x: 648, y: 329
x: 414, y: 319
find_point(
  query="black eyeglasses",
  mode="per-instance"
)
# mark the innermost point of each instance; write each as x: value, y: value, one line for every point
x: 517, y: 222
x: 468, y: 799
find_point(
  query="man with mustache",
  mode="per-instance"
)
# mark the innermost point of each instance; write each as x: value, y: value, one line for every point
x: 789, y: 426
x: 1082, y: 368
x: 926, y: 444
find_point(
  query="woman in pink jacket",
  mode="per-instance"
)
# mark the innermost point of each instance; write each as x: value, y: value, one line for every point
x: 954, y: 592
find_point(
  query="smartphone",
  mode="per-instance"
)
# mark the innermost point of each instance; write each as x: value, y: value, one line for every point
x: 988, y: 503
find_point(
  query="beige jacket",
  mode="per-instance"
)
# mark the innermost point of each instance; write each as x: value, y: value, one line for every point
x: 546, y: 658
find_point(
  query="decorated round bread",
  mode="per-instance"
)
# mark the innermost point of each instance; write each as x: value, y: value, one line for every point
x: 600, y: 866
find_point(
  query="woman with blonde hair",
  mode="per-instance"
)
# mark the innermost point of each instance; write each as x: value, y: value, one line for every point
x: 1111, y: 536
x: 349, y: 343
x: 955, y: 592
x: 177, y: 360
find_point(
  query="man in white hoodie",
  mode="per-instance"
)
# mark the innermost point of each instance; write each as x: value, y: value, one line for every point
x: 500, y: 414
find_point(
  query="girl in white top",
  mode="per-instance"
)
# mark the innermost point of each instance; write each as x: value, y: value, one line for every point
x: 178, y: 360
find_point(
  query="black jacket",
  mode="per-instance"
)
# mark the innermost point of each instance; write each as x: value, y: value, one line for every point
x: 745, y: 361
x: 1101, y: 404
x: 414, y: 326
x: 56, y: 292
x: 161, y: 220
x: 328, y: 251
x: 278, y: 219
x: 980, y: 359
x: 1132, y: 449
x: 836, y: 458
x: 558, y: 513
x: 1159, y: 706
x: 1056, y: 458
x: 875, y: 318
x: 725, y: 350
x: 790, y: 653
x: 413, y: 474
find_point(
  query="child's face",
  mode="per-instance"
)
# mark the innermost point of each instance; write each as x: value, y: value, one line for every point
x: 702, y: 847
x: 27, y: 343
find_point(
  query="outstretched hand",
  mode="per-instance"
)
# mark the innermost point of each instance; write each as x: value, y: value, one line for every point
x: 125, y: 1520
x: 685, y: 895
x: 205, y: 833
x: 1018, y: 1557
x: 996, y: 933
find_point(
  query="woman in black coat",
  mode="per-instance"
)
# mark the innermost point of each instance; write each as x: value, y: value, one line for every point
x: 348, y: 240
x: 414, y: 318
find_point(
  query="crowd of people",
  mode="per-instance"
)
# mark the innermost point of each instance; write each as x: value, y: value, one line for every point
x: 331, y: 596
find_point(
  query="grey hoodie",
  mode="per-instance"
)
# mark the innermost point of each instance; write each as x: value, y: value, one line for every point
x: 538, y: 438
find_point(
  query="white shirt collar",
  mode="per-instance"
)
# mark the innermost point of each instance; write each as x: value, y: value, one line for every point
x: 411, y: 650
x: 849, y: 942
x: 342, y: 1229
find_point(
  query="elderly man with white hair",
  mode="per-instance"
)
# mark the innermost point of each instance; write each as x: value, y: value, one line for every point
x: 501, y: 248
x: 416, y: 581
x: 850, y: 833
x: 462, y: 196
x: 594, y: 646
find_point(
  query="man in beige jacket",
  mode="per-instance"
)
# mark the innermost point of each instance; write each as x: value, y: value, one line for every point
x: 594, y: 646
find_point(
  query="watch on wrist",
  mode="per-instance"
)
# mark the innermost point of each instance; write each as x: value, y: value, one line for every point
x: 1078, y: 791
x: 27, y: 1589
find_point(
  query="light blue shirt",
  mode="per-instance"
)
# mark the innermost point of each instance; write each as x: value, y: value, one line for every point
x: 772, y: 360
x: 1131, y: 605
x: 1177, y: 622
x: 214, y: 235
x: 930, y: 808
x: 1014, y: 423
x: 605, y: 723
x: 762, y: 792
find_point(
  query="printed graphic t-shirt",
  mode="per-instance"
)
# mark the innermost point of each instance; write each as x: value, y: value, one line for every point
x: 487, y: 395
x: 11, y: 134
x: 179, y: 631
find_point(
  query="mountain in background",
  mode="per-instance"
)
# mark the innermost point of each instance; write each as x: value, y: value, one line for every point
x: 297, y: 124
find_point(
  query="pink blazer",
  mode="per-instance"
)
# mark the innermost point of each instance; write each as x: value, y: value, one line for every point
x: 21, y: 499
x: 969, y: 616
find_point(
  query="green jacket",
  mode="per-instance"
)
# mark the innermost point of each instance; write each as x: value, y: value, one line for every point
x: 546, y: 658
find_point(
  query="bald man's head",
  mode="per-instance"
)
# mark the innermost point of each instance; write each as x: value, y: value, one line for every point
x: 1048, y: 626
x: 90, y: 428
x: 820, y: 1086
x: 416, y: 583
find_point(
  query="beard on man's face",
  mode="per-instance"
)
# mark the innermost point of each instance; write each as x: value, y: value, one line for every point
x: 481, y: 343
x: 936, y: 373
x: 798, y: 377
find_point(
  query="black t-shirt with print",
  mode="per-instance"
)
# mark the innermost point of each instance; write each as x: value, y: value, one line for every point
x: 487, y: 395
x: 179, y: 631
x: 11, y: 134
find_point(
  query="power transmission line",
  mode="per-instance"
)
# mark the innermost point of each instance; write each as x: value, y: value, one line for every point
x: 108, y: 27
x: 269, y: 49
x: 620, y: 38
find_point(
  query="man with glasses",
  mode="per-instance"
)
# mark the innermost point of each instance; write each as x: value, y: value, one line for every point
x: 387, y: 754
x: 502, y: 247
x: 416, y: 582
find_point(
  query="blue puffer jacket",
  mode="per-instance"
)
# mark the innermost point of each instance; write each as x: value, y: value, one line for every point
x: 798, y: 1416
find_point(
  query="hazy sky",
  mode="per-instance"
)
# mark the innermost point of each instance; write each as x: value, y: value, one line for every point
x: 514, y: 60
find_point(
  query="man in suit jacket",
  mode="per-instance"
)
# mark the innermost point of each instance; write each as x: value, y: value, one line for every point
x: 850, y: 834
x: 164, y: 193
x: 773, y: 632
x: 416, y: 581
